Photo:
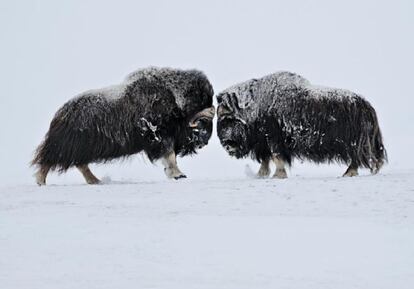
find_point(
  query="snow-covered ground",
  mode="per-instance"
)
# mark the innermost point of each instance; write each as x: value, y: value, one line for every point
x: 217, y: 229
x: 307, y: 231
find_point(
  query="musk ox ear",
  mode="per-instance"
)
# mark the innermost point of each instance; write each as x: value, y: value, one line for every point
x: 207, y: 113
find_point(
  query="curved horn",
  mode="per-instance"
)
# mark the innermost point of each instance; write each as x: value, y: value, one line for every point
x: 207, y: 113
x: 228, y: 104
x: 222, y: 111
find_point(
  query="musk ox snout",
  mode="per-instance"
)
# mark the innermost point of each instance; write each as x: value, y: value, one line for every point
x: 201, y: 127
x: 201, y: 134
x: 233, y: 137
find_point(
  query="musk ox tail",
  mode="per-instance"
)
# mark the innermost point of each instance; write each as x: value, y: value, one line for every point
x: 42, y: 157
x: 49, y: 152
x: 64, y: 147
x: 371, y: 151
x: 37, y: 159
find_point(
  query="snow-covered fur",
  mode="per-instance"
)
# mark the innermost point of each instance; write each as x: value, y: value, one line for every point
x: 150, y: 111
x: 282, y: 114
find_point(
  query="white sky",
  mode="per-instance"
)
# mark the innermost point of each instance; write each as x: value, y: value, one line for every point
x: 52, y: 50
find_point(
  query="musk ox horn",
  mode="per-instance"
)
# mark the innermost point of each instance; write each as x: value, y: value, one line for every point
x: 223, y: 110
x: 205, y: 113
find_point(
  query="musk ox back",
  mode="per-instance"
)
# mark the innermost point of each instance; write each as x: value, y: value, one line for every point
x: 282, y: 116
x: 161, y: 111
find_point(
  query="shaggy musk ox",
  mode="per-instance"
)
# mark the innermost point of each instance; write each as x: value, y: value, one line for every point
x: 161, y: 111
x: 282, y: 116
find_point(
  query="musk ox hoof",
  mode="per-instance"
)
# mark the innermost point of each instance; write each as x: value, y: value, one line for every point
x: 93, y: 182
x: 351, y: 173
x: 40, y: 176
x: 280, y: 174
x: 263, y: 173
x: 374, y: 171
x: 174, y: 173
x: 376, y: 167
x: 40, y: 182
x: 180, y: 177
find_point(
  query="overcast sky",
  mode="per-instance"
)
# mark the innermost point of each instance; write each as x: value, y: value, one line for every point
x: 52, y: 50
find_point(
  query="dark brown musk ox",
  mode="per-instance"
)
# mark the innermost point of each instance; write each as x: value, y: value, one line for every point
x: 283, y: 116
x: 163, y: 112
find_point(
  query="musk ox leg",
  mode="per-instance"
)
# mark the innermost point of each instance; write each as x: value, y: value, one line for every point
x: 376, y: 167
x: 41, y: 175
x: 352, y: 170
x: 280, y: 168
x: 170, y: 166
x: 264, y: 170
x: 88, y: 175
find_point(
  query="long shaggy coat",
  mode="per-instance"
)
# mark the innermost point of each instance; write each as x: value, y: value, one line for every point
x: 149, y: 112
x: 283, y: 114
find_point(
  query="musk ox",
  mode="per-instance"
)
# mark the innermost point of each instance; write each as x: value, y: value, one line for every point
x: 282, y: 116
x: 163, y: 112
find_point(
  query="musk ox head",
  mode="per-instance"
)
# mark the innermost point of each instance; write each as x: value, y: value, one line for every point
x: 198, y: 131
x: 201, y: 125
x: 232, y: 129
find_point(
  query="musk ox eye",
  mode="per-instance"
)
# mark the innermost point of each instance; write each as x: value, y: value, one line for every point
x: 204, y: 124
x: 202, y: 121
x: 231, y: 143
x: 197, y: 132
